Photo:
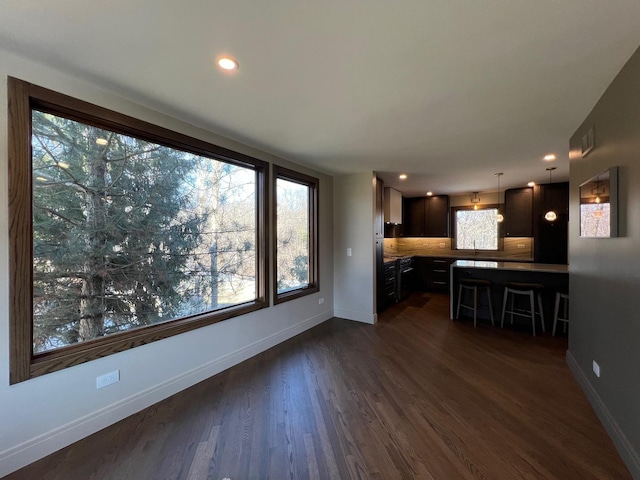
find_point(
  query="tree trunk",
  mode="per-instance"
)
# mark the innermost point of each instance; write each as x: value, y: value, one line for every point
x: 93, y: 286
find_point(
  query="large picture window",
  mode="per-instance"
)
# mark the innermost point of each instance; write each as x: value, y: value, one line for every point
x: 296, y: 228
x: 133, y: 233
x: 476, y: 229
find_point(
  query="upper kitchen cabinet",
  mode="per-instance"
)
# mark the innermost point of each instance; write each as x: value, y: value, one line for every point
x: 551, y: 238
x: 518, y: 212
x: 437, y: 216
x: 392, y: 206
x: 426, y: 216
x: 413, y: 217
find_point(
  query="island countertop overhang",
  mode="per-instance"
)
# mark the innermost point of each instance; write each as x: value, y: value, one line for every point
x: 517, y: 266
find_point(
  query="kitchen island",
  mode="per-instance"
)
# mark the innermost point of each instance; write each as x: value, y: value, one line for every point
x: 553, y: 277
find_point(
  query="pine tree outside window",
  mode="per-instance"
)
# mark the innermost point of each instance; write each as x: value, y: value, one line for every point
x: 122, y: 232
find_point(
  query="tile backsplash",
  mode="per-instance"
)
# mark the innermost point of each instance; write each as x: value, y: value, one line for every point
x: 514, y: 248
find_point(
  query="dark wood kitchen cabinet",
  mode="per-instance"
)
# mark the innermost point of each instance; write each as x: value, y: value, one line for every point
x: 432, y: 273
x: 426, y: 216
x: 438, y: 273
x: 551, y: 238
x: 518, y: 212
x: 413, y: 210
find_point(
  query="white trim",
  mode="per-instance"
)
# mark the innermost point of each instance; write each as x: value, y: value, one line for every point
x: 38, y: 447
x: 355, y: 316
x: 629, y: 455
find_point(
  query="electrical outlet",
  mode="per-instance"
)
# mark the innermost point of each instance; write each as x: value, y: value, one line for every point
x: 320, y: 300
x: 596, y: 369
x: 107, y: 379
x: 349, y: 252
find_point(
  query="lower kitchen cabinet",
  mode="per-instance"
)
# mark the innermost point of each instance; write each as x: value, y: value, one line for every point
x: 438, y: 273
x: 432, y: 273
x: 390, y: 283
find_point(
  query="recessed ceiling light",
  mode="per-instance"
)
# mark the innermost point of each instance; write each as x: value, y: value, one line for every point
x: 429, y: 194
x: 402, y: 176
x: 531, y: 184
x: 102, y: 141
x: 549, y: 157
x: 227, y: 63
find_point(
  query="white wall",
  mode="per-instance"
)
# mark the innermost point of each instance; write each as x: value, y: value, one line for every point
x: 41, y: 415
x: 354, y: 276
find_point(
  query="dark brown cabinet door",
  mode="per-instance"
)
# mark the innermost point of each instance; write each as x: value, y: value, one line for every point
x: 437, y: 216
x: 426, y: 216
x: 551, y: 239
x: 414, y: 212
x: 518, y: 212
x: 421, y: 273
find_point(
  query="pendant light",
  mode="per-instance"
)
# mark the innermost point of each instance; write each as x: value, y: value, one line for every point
x: 475, y: 200
x: 597, y: 192
x: 499, y: 216
x: 551, y: 216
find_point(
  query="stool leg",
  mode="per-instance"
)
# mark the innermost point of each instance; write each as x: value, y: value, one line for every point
x: 533, y: 313
x: 459, y: 301
x: 513, y: 300
x: 541, y: 311
x: 504, y: 306
x: 490, y: 305
x: 555, y: 314
x: 475, y: 306
x: 566, y: 314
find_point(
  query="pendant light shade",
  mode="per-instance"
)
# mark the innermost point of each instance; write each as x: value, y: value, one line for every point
x: 499, y: 216
x: 475, y: 199
x: 551, y: 216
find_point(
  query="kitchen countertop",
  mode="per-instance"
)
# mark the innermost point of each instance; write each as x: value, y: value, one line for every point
x: 519, y: 266
x: 553, y: 276
x: 393, y: 259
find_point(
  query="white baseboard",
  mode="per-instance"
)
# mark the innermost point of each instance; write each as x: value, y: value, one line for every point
x: 355, y: 316
x: 38, y: 447
x: 626, y: 450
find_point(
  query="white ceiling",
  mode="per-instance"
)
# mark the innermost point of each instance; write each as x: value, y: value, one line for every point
x: 449, y: 92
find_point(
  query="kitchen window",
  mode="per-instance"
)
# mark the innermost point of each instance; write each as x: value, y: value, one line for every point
x: 476, y: 229
x: 122, y: 232
x: 295, y: 253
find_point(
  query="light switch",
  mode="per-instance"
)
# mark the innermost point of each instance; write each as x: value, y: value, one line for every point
x: 349, y: 252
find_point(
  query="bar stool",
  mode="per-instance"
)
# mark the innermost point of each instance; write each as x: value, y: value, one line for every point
x: 564, y: 298
x: 530, y: 290
x: 475, y: 285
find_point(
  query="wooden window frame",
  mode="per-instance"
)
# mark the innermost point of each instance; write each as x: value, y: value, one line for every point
x: 23, y: 97
x: 454, y: 227
x: 314, y: 281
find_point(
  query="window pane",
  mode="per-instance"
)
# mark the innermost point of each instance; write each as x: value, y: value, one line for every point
x: 595, y: 219
x: 477, y: 229
x: 292, y: 235
x: 128, y: 233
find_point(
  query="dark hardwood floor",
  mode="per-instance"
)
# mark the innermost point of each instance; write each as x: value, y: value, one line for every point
x: 415, y: 396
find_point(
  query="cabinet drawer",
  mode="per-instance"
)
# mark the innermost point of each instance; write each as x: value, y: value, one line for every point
x: 438, y: 273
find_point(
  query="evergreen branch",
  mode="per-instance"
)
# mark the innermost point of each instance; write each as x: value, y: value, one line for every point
x: 59, y: 215
x: 58, y: 130
x: 127, y: 156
